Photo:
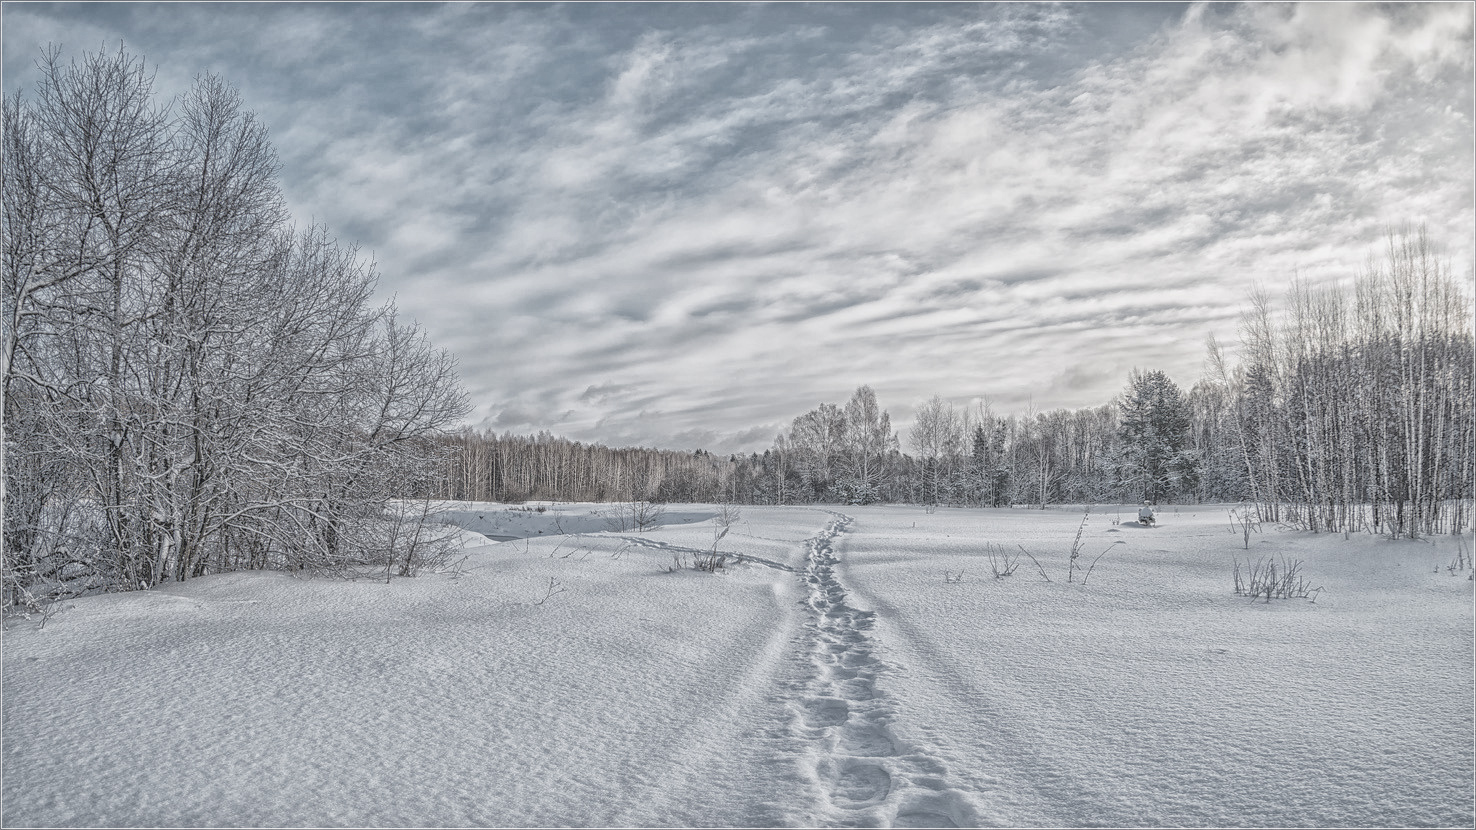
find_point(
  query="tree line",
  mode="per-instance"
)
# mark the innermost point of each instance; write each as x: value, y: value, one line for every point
x: 1349, y: 411
x: 190, y: 382
x: 846, y: 454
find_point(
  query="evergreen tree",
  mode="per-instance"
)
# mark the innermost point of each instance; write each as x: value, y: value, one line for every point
x: 981, y: 468
x: 1156, y: 458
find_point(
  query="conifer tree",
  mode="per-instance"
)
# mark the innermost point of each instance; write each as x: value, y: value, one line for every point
x: 1155, y: 456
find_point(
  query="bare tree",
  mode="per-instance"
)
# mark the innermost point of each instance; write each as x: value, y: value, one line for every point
x: 1361, y: 410
x: 869, y: 441
x: 937, y: 437
x: 188, y: 383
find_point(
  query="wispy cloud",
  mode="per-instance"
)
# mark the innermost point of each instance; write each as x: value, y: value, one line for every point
x: 684, y: 225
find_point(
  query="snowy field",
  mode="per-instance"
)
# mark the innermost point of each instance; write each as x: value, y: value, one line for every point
x: 842, y: 673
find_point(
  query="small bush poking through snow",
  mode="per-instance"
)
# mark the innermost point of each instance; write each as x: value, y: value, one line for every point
x: 1038, y: 566
x: 637, y: 515
x: 1076, y: 551
x: 1001, y: 561
x: 1243, y: 520
x: 1270, y: 579
x: 553, y: 588
x: 714, y: 560
x: 1071, y: 566
x: 1004, y: 563
x: 1462, y: 558
x: 25, y: 605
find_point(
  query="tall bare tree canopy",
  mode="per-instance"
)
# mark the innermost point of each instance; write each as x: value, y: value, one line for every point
x: 191, y: 384
x: 1354, y: 409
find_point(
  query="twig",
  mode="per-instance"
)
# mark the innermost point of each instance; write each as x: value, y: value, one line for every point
x: 1088, y: 574
x: 1010, y: 564
x: 1071, y: 566
x: 1037, y: 563
x: 554, y: 587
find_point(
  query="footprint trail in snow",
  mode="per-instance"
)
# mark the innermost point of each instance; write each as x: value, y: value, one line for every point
x: 864, y: 775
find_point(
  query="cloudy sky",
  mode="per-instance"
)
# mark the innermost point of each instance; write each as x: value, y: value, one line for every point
x: 682, y: 225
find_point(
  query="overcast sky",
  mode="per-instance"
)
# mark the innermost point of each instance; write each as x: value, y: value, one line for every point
x: 682, y: 225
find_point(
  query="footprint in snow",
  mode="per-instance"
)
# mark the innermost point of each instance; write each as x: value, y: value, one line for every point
x: 845, y: 665
x: 866, y: 739
x: 826, y: 711
x: 923, y: 818
x: 858, y: 688
x: 861, y: 785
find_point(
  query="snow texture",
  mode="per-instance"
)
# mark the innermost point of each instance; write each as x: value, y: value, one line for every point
x: 832, y: 677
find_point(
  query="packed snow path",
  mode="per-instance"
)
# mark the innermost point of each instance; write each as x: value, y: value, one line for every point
x: 857, y: 765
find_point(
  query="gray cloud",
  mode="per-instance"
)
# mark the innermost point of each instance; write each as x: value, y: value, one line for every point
x: 683, y: 225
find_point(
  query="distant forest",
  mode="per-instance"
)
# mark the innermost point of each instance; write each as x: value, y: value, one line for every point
x: 1350, y: 411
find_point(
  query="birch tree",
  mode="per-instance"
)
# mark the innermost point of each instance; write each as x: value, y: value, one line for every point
x: 937, y: 436
x: 869, y: 440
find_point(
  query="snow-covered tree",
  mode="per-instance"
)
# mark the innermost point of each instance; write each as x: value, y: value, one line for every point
x: 819, y: 441
x: 189, y: 384
x: 937, y: 436
x: 1156, y: 458
x: 1355, y: 412
x: 869, y: 441
x: 989, y: 470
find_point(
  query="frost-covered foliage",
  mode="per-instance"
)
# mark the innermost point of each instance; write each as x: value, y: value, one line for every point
x: 846, y: 455
x: 937, y: 434
x: 1154, y: 455
x: 1353, y: 410
x: 191, y: 384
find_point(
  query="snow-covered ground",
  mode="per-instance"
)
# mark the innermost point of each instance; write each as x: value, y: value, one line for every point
x: 835, y: 676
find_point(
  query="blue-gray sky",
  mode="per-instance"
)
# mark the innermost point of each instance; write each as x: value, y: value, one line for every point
x: 682, y: 225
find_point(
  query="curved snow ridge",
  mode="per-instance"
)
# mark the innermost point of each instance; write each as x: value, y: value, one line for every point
x: 862, y: 773
x: 640, y: 541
